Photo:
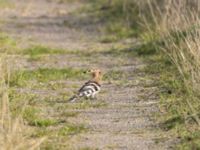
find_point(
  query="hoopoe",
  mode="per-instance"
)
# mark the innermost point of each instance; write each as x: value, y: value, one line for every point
x: 90, y: 88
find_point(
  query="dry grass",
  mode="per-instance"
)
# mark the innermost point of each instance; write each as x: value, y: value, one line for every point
x: 14, y: 134
x: 173, y: 27
x: 170, y: 30
x: 176, y: 24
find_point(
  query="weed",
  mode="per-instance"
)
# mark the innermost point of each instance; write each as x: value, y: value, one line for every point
x: 43, y: 122
x: 71, y: 129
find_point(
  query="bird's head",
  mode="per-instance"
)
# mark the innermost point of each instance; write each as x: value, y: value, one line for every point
x: 96, y: 74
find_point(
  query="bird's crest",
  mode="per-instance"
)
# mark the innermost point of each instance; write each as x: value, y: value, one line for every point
x: 96, y: 75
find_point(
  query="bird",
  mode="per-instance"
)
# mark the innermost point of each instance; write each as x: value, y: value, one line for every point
x: 91, y: 88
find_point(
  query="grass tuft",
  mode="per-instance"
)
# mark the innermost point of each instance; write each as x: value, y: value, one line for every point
x: 31, y: 115
x: 43, y: 122
x: 14, y: 134
x: 72, y: 129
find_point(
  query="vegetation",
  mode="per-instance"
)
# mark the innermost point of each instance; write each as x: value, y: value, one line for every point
x: 5, y: 4
x: 11, y: 127
x: 169, y: 31
x: 23, y: 115
x: 36, y: 52
x: 42, y: 75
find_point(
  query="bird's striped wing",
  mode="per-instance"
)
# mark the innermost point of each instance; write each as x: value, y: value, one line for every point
x: 89, y: 89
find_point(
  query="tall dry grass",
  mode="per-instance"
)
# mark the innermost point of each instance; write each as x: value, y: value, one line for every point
x: 174, y: 27
x: 176, y: 24
x: 14, y: 134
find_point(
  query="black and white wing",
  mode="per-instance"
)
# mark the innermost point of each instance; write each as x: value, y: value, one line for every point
x: 89, y: 89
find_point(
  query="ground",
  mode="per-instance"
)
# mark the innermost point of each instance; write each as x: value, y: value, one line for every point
x: 69, y: 41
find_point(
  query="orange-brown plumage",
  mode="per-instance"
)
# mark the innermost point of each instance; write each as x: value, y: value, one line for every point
x: 96, y: 75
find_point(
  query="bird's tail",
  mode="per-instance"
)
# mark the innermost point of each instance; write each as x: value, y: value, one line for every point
x: 73, y: 99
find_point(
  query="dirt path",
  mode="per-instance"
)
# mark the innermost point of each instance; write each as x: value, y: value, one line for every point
x: 123, y: 114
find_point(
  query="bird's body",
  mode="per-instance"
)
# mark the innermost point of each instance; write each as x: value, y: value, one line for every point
x: 90, y: 88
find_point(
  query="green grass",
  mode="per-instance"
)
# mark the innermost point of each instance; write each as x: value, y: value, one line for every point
x: 31, y: 115
x: 59, y: 137
x: 19, y: 100
x: 71, y: 129
x: 120, y: 31
x: 5, y: 4
x: 43, y: 132
x: 146, y: 49
x: 69, y: 114
x: 109, y: 39
x: 116, y: 32
x: 113, y: 75
x: 7, y: 44
x: 43, y: 122
x: 190, y: 140
x: 176, y: 117
x: 38, y: 51
x: 118, y: 22
x: 21, y: 78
